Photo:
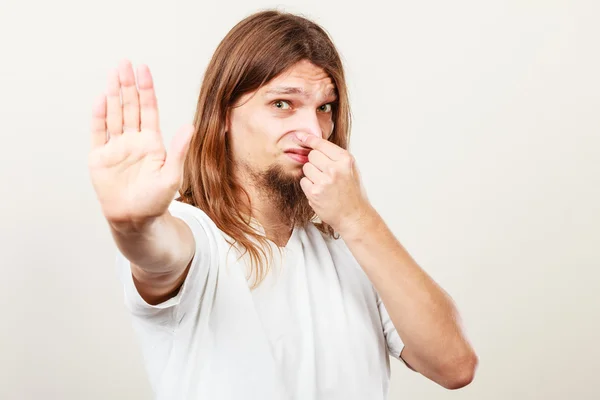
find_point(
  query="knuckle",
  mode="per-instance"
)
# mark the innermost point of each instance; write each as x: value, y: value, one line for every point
x: 347, y: 158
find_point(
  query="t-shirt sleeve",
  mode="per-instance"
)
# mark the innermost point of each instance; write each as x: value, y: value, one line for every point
x: 394, y: 342
x: 170, y: 311
x: 392, y: 338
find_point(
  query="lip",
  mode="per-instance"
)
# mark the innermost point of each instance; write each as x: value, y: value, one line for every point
x: 302, y: 152
x: 301, y: 158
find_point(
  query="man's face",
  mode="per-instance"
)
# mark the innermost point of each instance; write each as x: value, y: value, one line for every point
x: 262, y: 128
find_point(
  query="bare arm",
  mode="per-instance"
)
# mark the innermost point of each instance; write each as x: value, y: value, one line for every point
x: 422, y: 312
x: 160, y: 252
x: 135, y: 181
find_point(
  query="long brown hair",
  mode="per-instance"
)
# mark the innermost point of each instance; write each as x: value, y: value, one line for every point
x: 256, y: 50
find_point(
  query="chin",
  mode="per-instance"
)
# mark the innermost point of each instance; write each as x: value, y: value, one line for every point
x: 290, y: 169
x: 296, y: 172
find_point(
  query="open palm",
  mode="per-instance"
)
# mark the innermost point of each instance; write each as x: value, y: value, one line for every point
x: 133, y: 176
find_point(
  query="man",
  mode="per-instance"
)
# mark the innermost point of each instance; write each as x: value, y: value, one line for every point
x: 263, y: 169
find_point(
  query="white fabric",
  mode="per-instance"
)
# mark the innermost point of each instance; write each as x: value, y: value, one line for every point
x: 314, y: 329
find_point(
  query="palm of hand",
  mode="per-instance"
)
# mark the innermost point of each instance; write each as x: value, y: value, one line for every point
x: 132, y: 174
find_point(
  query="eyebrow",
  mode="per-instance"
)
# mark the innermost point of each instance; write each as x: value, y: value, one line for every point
x: 295, y: 90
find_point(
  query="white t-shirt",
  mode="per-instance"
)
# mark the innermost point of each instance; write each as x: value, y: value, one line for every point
x: 315, y: 329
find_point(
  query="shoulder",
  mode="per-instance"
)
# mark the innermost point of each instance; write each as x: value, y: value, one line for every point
x: 192, y: 214
x: 208, y: 236
x: 179, y: 207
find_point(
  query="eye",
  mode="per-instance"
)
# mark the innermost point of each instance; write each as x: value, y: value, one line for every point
x: 282, y: 104
x: 326, y: 108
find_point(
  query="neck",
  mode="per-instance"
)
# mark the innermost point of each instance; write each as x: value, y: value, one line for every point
x: 271, y: 219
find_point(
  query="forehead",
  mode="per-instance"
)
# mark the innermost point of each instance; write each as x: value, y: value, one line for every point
x: 302, y: 77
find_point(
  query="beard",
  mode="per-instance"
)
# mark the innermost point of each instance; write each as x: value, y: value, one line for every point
x: 282, y: 189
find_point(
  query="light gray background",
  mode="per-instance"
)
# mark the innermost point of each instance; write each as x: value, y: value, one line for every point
x: 477, y: 131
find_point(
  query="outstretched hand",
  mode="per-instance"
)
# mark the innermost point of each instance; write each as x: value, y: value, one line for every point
x: 133, y: 176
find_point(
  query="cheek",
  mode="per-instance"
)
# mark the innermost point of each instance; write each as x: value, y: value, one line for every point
x: 245, y: 141
x: 262, y: 137
x: 271, y: 133
x: 327, y: 125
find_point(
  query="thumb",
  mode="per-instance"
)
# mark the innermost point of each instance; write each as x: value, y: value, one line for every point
x: 173, y: 166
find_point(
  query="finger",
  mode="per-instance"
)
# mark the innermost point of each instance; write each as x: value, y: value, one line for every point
x: 331, y: 150
x: 148, y: 103
x: 306, y: 186
x: 320, y: 160
x: 131, y: 102
x: 99, y: 122
x: 313, y: 173
x: 177, y: 152
x: 114, y: 112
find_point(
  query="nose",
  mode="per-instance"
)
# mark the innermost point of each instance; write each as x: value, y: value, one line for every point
x: 309, y: 123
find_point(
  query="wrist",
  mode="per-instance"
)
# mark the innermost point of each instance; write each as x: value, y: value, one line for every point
x: 363, y: 221
x: 138, y: 227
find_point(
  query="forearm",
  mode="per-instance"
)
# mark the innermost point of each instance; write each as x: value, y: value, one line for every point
x: 422, y: 312
x: 162, y: 245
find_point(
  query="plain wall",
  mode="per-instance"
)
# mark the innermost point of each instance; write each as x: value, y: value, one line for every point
x: 476, y: 129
